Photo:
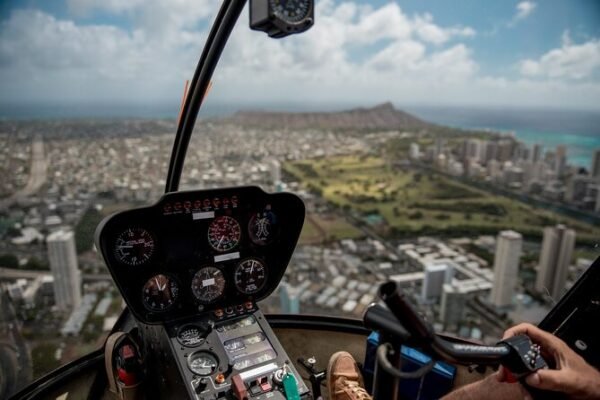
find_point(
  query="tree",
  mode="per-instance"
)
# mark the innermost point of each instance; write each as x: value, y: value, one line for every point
x: 36, y: 264
x: 9, y: 261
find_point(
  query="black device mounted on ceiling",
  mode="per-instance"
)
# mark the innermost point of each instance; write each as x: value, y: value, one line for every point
x: 280, y: 18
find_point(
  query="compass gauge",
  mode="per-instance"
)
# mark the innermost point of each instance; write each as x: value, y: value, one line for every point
x: 134, y: 246
x: 208, y: 284
x: 290, y: 11
x: 160, y: 293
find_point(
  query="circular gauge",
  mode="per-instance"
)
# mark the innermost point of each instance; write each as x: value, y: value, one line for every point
x: 208, y: 284
x: 224, y: 233
x: 191, y: 335
x: 160, y: 293
x: 250, y: 275
x: 203, y: 363
x: 134, y: 246
x: 290, y: 11
x: 262, y: 227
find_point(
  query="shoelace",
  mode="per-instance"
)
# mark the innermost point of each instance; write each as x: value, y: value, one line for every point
x: 357, y: 390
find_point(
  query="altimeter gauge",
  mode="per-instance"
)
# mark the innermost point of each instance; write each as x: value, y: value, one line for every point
x: 208, y: 284
x: 250, y: 275
x: 160, y: 293
x: 134, y: 246
x: 224, y: 233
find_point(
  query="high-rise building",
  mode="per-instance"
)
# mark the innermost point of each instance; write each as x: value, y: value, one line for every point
x: 596, y: 165
x: 63, y: 265
x: 452, y: 308
x: 506, y: 267
x: 555, y: 257
x: 437, y: 273
x: 577, y: 188
x: 491, y: 150
x: 505, y: 150
x: 537, y: 153
x: 560, y: 163
x: 473, y: 149
x: 289, y: 298
x: 275, y: 170
x: 414, y: 151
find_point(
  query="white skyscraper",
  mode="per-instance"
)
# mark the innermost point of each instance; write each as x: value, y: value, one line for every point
x: 289, y: 297
x: 437, y: 273
x: 452, y: 308
x: 506, y: 267
x: 63, y: 264
x: 555, y: 257
x: 596, y: 165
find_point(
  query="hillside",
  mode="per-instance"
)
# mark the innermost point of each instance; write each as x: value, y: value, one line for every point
x: 381, y: 117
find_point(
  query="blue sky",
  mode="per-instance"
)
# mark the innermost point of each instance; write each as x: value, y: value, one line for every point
x: 495, y: 53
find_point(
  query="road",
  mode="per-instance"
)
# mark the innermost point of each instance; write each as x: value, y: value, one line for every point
x: 8, y: 273
x: 37, y: 174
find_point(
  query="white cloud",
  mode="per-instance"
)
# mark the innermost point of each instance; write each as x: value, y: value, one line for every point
x: 403, y: 58
x: 570, y: 61
x: 524, y: 9
x: 432, y: 33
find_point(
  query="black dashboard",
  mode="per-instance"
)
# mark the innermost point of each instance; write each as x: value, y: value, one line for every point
x: 199, y: 251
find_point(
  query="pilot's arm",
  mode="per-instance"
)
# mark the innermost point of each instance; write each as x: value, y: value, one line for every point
x: 570, y: 375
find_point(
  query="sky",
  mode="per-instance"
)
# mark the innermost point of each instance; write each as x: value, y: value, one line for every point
x: 541, y: 54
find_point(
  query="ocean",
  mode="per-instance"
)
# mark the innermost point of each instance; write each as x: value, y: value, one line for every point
x: 578, y: 130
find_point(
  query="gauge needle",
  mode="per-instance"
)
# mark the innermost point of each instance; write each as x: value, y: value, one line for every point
x: 220, y: 241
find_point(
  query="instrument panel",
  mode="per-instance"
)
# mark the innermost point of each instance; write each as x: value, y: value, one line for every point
x: 198, y: 251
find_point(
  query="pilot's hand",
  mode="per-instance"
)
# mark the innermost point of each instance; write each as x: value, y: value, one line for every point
x: 571, y: 374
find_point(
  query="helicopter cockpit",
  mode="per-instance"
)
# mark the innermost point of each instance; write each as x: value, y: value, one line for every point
x: 193, y: 267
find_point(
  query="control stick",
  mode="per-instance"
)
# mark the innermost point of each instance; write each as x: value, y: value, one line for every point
x: 401, y: 322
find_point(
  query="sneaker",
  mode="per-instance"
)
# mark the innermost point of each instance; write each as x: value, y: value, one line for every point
x: 344, y: 381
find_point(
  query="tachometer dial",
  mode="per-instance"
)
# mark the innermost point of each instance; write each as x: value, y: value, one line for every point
x: 263, y: 227
x: 290, y: 11
x: 208, y: 284
x: 224, y: 233
x: 203, y: 363
x: 160, y: 293
x: 134, y: 246
x: 250, y: 275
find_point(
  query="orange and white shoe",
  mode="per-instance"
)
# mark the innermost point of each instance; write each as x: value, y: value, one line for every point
x: 344, y: 380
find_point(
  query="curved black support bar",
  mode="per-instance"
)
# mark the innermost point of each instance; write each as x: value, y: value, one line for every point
x: 404, y: 312
x: 422, y: 334
x: 382, y: 358
x: 215, y: 43
x: 380, y: 319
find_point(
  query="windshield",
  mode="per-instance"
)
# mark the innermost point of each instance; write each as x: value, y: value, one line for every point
x: 451, y: 147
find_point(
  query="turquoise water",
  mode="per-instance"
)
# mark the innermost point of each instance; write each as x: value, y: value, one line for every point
x: 578, y: 130
x: 580, y: 148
